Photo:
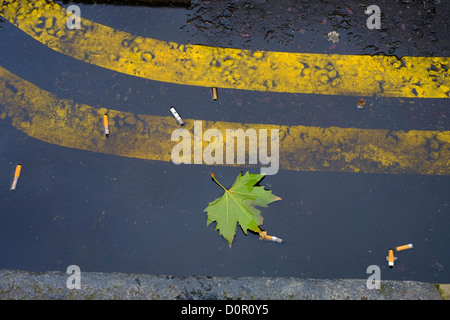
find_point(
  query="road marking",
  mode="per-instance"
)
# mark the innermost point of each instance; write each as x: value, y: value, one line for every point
x: 43, y: 116
x: 199, y: 65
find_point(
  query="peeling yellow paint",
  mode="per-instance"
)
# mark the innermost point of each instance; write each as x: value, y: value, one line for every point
x: 43, y: 116
x: 199, y: 65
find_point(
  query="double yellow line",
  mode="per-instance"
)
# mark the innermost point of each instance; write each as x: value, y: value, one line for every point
x: 42, y: 115
x: 63, y: 122
x: 198, y: 65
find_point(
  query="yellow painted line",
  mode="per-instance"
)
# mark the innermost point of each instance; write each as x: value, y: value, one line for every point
x: 198, y: 65
x: 43, y: 116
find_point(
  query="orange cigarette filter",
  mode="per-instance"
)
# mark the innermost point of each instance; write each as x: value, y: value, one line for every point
x: 264, y: 236
x: 361, y: 103
x: 391, y: 258
x: 106, y: 124
x: 18, y: 169
x: 214, y: 92
x: 16, y: 177
x: 405, y: 247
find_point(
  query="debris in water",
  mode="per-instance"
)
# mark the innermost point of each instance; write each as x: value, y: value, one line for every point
x: 264, y: 236
x: 390, y: 258
x: 106, y: 124
x: 333, y: 36
x: 405, y: 247
x: 176, y: 115
x: 16, y: 177
x: 361, y: 103
x: 214, y: 92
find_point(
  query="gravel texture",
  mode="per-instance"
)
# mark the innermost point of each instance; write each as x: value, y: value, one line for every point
x: 19, y: 285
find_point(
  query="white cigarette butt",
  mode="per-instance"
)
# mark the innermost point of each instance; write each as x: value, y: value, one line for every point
x: 176, y: 115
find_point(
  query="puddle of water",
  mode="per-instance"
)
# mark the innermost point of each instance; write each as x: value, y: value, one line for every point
x: 114, y: 214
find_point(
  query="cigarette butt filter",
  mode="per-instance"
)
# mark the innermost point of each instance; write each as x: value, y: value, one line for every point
x: 264, y: 236
x: 18, y: 169
x: 106, y: 124
x: 214, y: 93
x: 391, y: 258
x: 16, y: 177
x: 405, y: 247
x: 176, y: 115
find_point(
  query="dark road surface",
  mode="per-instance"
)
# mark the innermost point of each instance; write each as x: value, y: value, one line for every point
x: 107, y: 213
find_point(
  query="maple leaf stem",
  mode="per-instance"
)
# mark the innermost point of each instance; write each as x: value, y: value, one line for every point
x: 215, y: 180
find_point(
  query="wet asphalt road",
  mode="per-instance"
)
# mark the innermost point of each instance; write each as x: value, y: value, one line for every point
x: 114, y: 214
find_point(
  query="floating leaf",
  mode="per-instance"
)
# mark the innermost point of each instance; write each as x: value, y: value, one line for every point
x: 237, y: 205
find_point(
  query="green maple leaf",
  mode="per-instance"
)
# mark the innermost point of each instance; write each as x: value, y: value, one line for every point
x: 237, y: 205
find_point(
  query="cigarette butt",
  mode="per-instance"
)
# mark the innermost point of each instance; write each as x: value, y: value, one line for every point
x: 405, y: 247
x: 214, y: 92
x: 264, y: 236
x: 276, y: 239
x: 16, y: 177
x: 361, y: 103
x: 17, y: 172
x: 106, y: 124
x: 391, y: 258
x: 176, y: 115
